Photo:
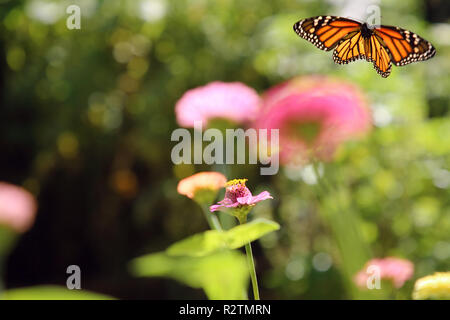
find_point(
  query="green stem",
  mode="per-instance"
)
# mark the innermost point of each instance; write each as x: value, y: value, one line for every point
x: 343, y: 222
x: 251, y: 265
x: 7, y: 241
x: 3, y: 259
x: 1, y: 280
x: 2, y: 287
x: 212, y: 219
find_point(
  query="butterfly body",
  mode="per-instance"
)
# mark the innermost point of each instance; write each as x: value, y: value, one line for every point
x: 352, y: 40
x: 366, y: 32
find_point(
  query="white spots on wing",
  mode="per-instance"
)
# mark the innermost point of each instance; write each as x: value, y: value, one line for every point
x: 418, y: 44
x: 338, y: 60
x: 309, y: 34
x: 416, y: 39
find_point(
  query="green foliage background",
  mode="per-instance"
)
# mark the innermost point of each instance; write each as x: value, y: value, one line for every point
x: 85, y: 124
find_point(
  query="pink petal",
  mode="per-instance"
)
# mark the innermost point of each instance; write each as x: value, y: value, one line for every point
x: 225, y: 201
x: 338, y: 109
x: 17, y: 207
x: 244, y: 200
x: 260, y: 197
x: 234, y: 101
x: 215, y: 207
x: 232, y: 205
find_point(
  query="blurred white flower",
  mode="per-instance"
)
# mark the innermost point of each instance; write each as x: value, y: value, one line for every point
x: 152, y: 10
x: 47, y: 12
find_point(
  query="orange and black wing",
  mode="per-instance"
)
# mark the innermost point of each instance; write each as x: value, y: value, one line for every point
x: 351, y: 48
x: 354, y: 47
x: 325, y: 32
x: 379, y: 55
x: 405, y: 46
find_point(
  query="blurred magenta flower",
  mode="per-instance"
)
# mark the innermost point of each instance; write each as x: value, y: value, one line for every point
x: 17, y: 207
x: 314, y: 115
x: 394, y: 269
x: 218, y: 100
x: 239, y: 199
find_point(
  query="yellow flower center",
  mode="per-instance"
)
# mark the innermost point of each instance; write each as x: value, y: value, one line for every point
x: 235, y: 182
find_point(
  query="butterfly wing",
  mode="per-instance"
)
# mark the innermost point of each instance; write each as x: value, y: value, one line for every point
x: 384, y: 46
x: 405, y: 46
x: 325, y: 32
x: 354, y: 47
x: 351, y: 48
x: 379, y: 55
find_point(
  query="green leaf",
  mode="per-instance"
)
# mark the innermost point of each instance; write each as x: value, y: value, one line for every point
x: 223, y: 275
x: 200, y: 244
x: 52, y: 293
x: 203, y: 261
x: 210, y: 241
x: 241, y: 235
x: 8, y: 239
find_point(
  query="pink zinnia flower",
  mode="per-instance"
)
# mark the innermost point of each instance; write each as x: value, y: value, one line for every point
x: 239, y: 197
x: 314, y: 115
x: 217, y: 100
x: 394, y: 269
x: 17, y: 207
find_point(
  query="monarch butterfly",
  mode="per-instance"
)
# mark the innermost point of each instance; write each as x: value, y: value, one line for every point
x: 354, y: 40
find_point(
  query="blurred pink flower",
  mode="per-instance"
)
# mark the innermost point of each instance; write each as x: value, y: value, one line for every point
x: 237, y: 195
x: 217, y: 100
x: 17, y: 207
x: 394, y: 269
x: 314, y: 115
